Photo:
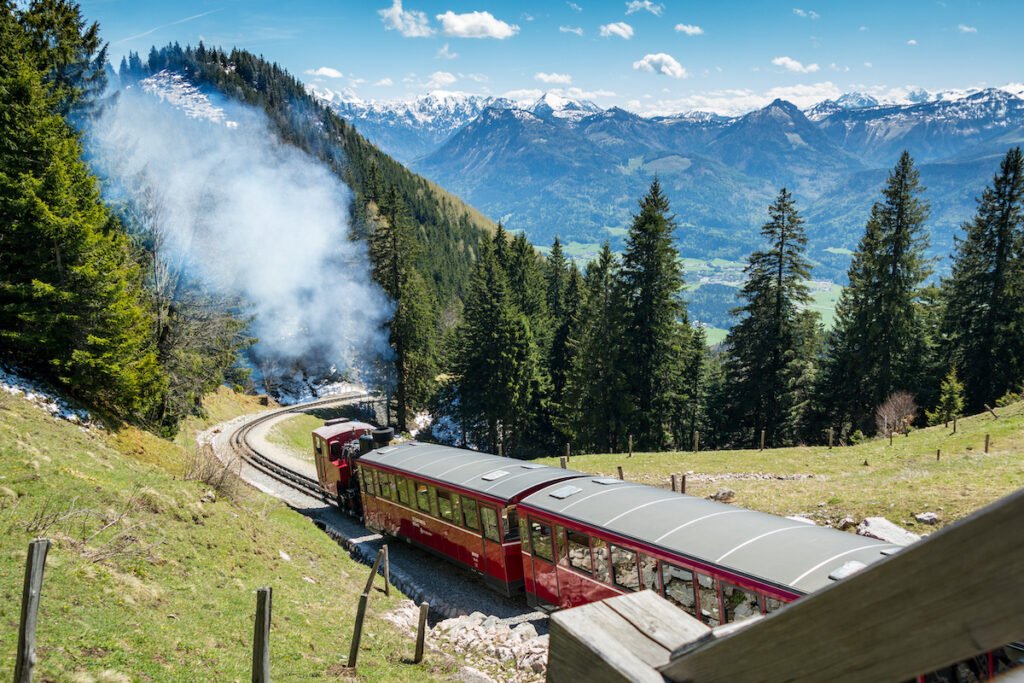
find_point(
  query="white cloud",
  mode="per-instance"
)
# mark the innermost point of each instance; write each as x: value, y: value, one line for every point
x: 911, y: 42
x: 476, y: 78
x: 790, y: 64
x: 441, y: 79
x: 863, y: 28
x: 964, y: 28
x: 836, y: 67
x: 661, y: 63
x: 527, y: 95
x: 646, y: 6
x: 531, y: 95
x: 574, y: 7
x: 868, y: 64
x: 445, y: 53
x: 806, y: 14
x: 561, y: 79
x: 475, y: 25
x: 689, y: 29
x: 410, y: 23
x: 325, y: 72
x: 385, y: 82
x: 618, y: 28
x: 733, y: 102
x: 571, y: 29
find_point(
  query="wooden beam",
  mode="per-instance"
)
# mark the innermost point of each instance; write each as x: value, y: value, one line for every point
x: 35, y: 565
x: 620, y: 639
x: 942, y: 600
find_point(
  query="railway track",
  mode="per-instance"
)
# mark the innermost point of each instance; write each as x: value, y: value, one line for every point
x: 307, y: 485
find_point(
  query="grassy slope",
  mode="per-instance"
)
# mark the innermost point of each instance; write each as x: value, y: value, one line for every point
x: 166, y: 593
x: 294, y: 433
x: 898, y: 481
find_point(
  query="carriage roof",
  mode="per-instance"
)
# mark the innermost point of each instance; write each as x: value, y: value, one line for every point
x: 504, y: 478
x: 783, y: 551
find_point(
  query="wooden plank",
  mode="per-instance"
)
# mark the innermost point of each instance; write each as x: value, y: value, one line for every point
x: 594, y: 644
x: 421, y: 632
x: 942, y: 600
x: 35, y: 564
x: 657, y: 618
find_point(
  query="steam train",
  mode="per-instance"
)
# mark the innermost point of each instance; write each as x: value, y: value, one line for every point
x: 566, y: 537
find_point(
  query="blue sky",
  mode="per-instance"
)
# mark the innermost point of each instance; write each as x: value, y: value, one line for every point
x: 644, y: 55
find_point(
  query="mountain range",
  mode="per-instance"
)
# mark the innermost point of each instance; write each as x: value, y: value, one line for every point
x: 567, y: 167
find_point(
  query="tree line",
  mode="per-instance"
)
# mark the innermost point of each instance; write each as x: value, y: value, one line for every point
x: 606, y: 358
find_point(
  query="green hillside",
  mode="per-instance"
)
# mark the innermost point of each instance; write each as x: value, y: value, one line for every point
x: 898, y: 481
x: 151, y: 578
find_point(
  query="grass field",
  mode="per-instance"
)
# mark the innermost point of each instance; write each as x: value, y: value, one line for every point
x: 294, y: 433
x: 151, y: 579
x: 827, y: 485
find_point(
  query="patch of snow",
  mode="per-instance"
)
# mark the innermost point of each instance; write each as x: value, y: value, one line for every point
x: 16, y: 385
x: 172, y: 88
x: 882, y: 529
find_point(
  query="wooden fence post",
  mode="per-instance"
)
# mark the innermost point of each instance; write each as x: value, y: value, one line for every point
x: 620, y: 472
x: 568, y: 452
x: 500, y: 449
x: 561, y: 461
x: 674, y: 483
x: 696, y: 440
x: 938, y: 454
x: 357, y: 630
x: 630, y: 439
x: 421, y: 632
x: 261, y: 637
x: 830, y: 433
x: 387, y: 570
x: 986, y: 442
x: 890, y: 438
x: 682, y: 485
x: 989, y: 409
x: 954, y: 424
x: 34, y: 566
x: 762, y: 440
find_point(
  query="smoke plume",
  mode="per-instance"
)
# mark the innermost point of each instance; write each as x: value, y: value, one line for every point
x: 247, y: 216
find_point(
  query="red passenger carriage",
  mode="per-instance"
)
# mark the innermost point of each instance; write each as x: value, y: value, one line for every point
x: 455, y: 503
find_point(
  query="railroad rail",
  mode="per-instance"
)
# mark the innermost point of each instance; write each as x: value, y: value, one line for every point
x: 307, y: 485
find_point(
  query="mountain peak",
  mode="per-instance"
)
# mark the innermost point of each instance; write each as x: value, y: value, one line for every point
x: 552, y: 104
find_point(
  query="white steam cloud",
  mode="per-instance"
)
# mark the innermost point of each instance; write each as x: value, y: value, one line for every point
x: 249, y: 216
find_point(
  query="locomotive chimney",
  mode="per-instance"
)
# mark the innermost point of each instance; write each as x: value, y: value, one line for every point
x: 365, y: 444
x: 382, y: 437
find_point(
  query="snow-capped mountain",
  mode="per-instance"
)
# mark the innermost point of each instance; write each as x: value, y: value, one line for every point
x: 408, y: 129
x: 552, y: 105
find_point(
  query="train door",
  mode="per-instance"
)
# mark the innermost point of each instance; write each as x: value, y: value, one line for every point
x: 318, y: 458
x: 545, y: 577
x: 473, y: 552
x: 494, y: 554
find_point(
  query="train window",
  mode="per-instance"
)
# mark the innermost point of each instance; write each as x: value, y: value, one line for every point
x: 384, y: 482
x: 402, y: 486
x: 542, y: 542
x: 469, y: 515
x: 600, y: 560
x: 710, y: 609
x: 422, y: 497
x: 739, y: 604
x: 579, y: 551
x: 362, y: 479
x: 444, y: 505
x: 678, y: 584
x: 649, y: 573
x: 489, y: 520
x: 335, y: 451
x: 771, y: 604
x: 511, y: 521
x: 560, y: 550
x: 371, y: 481
x: 624, y: 571
x: 524, y: 535
x: 433, y: 501
x: 456, y: 509
x: 412, y: 493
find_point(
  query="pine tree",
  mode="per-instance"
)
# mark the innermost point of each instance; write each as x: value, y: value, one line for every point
x: 766, y: 363
x: 877, y: 346
x: 410, y: 330
x: 984, y: 296
x: 563, y: 351
x: 655, y: 331
x: 495, y: 365
x: 951, y: 400
x: 71, y: 307
x: 596, y: 404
